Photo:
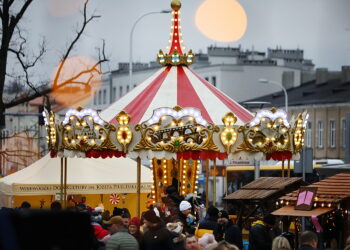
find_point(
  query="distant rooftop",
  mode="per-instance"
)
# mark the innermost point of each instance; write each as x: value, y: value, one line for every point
x: 319, y: 91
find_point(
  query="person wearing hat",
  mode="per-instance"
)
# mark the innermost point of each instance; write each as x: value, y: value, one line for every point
x: 120, y: 238
x: 259, y: 235
x: 177, y: 237
x: 188, y: 221
x: 210, y: 222
x: 134, y: 229
x: 157, y: 236
x: 228, y: 231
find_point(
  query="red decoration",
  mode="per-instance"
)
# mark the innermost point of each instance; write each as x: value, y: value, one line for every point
x: 114, y: 198
x: 104, y: 154
x: 204, y: 155
x: 53, y: 154
x: 279, y: 156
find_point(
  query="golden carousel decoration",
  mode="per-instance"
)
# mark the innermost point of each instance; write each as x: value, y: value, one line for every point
x: 177, y: 121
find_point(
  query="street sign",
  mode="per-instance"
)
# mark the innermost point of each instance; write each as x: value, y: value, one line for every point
x: 201, y: 178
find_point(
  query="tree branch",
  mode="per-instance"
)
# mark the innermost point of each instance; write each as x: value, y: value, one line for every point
x: 15, y: 20
x: 71, y: 46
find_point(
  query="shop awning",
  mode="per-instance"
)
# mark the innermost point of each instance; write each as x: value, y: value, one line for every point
x: 290, y: 211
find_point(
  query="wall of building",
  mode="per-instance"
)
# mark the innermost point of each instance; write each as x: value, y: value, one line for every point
x: 241, y: 82
x: 325, y: 114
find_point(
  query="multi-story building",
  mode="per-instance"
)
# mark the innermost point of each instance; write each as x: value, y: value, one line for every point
x: 233, y: 70
x: 326, y: 99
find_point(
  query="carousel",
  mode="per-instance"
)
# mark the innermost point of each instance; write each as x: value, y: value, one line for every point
x: 178, y: 121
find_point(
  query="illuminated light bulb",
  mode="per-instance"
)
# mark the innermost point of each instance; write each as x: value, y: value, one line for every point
x: 102, y: 138
x: 281, y: 201
x: 329, y: 204
x: 73, y: 141
x: 276, y: 203
x: 322, y: 205
x: 315, y: 204
x: 165, y: 182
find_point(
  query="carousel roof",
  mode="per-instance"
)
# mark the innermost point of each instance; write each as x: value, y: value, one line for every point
x: 176, y: 85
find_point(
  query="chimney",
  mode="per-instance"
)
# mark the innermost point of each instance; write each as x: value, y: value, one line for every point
x: 345, y: 74
x: 321, y: 75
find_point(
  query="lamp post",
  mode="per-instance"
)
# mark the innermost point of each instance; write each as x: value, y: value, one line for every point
x: 279, y: 85
x: 131, y: 34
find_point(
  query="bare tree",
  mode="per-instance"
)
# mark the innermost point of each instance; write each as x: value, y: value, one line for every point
x: 13, y: 41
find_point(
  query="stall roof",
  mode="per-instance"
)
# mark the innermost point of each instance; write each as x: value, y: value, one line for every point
x: 333, y: 189
x: 290, y: 211
x: 265, y: 187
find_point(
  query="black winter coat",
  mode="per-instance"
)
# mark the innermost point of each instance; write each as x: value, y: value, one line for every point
x: 157, y: 238
x: 233, y: 235
x: 306, y: 247
x: 259, y: 238
x: 211, y: 224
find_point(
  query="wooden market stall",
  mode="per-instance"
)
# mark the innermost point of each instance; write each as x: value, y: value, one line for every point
x: 325, y: 204
x: 261, y: 195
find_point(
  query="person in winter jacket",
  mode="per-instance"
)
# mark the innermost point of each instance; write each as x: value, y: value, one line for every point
x: 120, y: 238
x: 210, y: 222
x: 187, y: 220
x: 134, y: 229
x: 259, y: 235
x: 308, y: 240
x: 177, y: 237
x: 229, y: 231
x: 157, y: 236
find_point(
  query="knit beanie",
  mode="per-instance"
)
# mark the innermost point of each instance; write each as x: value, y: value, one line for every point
x: 135, y: 221
x: 151, y: 216
x: 213, y: 211
x: 184, y: 205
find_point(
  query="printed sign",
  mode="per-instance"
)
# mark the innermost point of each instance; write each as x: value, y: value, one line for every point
x: 306, y: 198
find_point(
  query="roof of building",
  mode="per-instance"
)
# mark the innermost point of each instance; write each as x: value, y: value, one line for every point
x: 266, y: 187
x: 332, y: 91
x: 330, y: 190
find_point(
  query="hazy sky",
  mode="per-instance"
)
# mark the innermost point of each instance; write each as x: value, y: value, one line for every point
x: 320, y: 27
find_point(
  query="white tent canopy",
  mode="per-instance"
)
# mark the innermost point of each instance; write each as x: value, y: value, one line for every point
x: 84, y: 176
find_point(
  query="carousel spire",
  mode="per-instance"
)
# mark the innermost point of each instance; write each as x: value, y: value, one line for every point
x: 175, y: 55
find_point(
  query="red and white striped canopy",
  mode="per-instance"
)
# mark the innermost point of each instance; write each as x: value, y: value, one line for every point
x: 176, y: 86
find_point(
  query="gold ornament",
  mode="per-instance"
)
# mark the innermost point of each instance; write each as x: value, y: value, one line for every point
x: 175, y: 5
x: 228, y: 136
x: 124, y: 134
x: 267, y: 133
x: 175, y: 59
x: 172, y: 134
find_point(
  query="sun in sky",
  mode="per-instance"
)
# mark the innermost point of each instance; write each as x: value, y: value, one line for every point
x: 221, y: 20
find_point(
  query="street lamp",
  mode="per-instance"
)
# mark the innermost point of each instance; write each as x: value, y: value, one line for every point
x: 131, y: 34
x: 279, y: 85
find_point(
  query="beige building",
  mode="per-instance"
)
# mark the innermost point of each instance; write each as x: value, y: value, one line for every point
x: 327, y: 100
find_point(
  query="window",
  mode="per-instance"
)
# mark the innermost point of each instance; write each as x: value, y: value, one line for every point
x: 206, y: 78
x: 320, y: 134
x: 134, y: 85
x: 95, y: 98
x: 99, y: 97
x: 114, y: 93
x: 343, y: 131
x: 120, y: 91
x: 104, y: 96
x: 127, y: 89
x: 308, y: 135
x: 213, y: 81
x: 332, y: 133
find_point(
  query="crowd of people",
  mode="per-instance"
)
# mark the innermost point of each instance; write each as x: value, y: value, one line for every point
x: 183, y: 228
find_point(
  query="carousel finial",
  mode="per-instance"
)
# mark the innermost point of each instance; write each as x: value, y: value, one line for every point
x: 175, y: 56
x: 175, y: 4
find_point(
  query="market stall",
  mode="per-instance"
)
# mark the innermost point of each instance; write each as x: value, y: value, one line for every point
x: 325, y: 204
x: 96, y: 179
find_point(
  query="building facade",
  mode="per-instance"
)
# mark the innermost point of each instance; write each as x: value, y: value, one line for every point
x: 326, y: 99
x: 233, y: 70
